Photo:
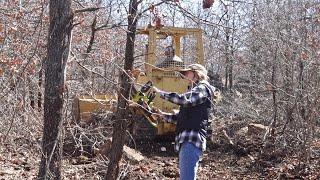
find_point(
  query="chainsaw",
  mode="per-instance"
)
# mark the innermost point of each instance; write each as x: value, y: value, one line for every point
x: 144, y: 102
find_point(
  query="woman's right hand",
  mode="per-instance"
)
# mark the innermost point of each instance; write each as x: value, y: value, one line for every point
x: 157, y: 113
x: 155, y: 89
x: 157, y: 116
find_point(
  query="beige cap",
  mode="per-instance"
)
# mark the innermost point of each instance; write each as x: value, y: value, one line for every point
x: 195, y: 67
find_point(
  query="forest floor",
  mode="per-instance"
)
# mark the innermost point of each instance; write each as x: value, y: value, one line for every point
x: 19, y: 159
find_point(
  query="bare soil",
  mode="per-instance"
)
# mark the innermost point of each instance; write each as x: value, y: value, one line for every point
x: 19, y: 160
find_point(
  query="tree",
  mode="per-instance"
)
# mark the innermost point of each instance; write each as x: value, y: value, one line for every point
x: 59, y: 39
x: 121, y: 117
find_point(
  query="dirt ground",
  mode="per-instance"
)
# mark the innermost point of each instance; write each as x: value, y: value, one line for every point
x: 224, y: 162
x: 19, y: 160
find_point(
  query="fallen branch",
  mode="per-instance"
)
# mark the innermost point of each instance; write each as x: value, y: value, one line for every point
x: 88, y: 9
x: 236, y: 148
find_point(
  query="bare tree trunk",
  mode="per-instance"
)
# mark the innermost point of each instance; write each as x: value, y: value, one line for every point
x: 31, y: 94
x: 92, y: 37
x: 59, y: 38
x: 227, y: 54
x: 232, y: 49
x: 230, y: 73
x: 122, y: 115
x: 39, y: 90
x: 289, y: 74
x: 254, y: 48
x: 304, y: 32
x: 274, y: 95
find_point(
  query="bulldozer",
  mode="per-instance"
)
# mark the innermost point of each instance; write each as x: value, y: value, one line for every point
x: 186, y: 47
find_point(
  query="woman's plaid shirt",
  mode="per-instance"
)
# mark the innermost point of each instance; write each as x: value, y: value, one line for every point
x: 197, y: 95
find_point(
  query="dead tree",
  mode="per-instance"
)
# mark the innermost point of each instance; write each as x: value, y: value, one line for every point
x: 121, y: 117
x: 59, y: 38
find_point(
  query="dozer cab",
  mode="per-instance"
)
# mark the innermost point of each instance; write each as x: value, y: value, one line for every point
x: 164, y: 51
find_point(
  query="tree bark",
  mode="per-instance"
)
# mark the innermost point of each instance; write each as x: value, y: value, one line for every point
x: 59, y: 38
x: 39, y: 90
x: 227, y: 56
x: 122, y: 115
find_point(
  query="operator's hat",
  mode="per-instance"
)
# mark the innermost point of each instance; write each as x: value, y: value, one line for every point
x: 197, y: 68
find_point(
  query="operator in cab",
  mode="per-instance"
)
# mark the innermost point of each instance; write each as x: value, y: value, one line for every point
x: 171, y: 60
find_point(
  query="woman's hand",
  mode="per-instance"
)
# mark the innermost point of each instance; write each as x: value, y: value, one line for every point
x: 157, y: 113
x: 156, y: 110
x: 155, y: 89
x: 157, y: 116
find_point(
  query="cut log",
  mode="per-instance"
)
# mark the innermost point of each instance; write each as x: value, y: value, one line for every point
x: 242, y: 132
x: 129, y: 153
x: 256, y: 129
x: 133, y: 155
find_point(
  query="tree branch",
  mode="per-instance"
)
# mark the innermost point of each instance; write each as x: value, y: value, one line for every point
x: 88, y: 9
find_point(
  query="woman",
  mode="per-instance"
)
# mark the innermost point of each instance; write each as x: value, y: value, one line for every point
x: 192, y: 119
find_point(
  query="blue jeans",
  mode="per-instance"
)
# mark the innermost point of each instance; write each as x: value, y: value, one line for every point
x: 189, y: 156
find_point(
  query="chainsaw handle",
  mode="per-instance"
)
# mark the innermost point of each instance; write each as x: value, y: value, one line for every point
x: 146, y: 87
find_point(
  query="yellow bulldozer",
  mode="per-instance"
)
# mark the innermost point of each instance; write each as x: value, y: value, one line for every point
x: 160, y: 65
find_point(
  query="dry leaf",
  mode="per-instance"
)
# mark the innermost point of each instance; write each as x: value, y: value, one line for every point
x: 207, y: 4
x: 151, y: 7
x: 1, y: 28
x: 304, y: 56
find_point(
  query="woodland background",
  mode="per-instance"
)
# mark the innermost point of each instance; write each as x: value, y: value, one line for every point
x: 263, y: 55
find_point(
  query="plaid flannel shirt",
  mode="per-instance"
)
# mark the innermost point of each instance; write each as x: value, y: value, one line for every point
x: 197, y: 95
